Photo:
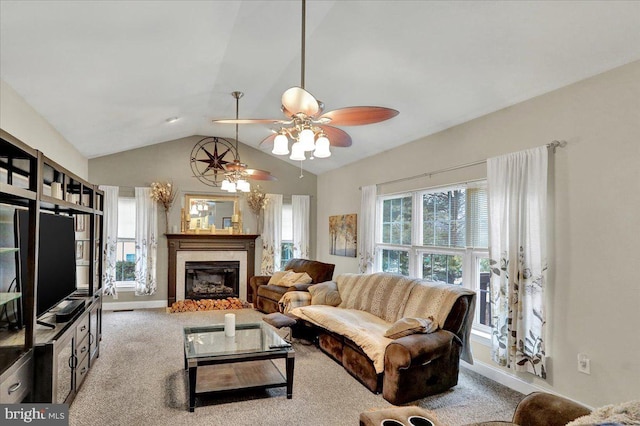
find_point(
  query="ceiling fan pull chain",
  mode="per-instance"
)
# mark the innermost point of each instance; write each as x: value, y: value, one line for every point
x: 301, y: 175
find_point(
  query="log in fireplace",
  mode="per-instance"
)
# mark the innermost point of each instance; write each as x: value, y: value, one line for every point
x: 211, y: 280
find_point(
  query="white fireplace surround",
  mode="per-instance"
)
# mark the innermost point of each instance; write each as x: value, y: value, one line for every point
x: 184, y: 256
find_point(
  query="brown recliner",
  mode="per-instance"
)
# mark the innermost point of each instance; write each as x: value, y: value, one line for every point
x: 543, y: 409
x: 266, y: 297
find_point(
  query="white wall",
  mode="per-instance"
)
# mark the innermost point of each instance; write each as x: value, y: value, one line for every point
x: 171, y: 161
x: 594, y: 290
x: 22, y: 121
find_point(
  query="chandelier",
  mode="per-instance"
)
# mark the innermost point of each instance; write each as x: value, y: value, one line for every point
x: 237, y: 175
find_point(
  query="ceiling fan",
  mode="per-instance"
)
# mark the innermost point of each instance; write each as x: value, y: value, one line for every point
x: 210, y: 167
x: 308, y: 125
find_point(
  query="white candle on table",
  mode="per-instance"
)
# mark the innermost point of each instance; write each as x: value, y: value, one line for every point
x: 229, y: 325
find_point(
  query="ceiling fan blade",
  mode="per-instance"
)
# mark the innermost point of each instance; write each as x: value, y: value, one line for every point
x: 337, y: 137
x: 296, y: 99
x: 259, y: 174
x: 359, y: 115
x: 247, y: 121
x: 268, y: 140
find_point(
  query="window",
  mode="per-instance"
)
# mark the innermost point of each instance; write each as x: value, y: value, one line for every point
x: 126, y: 244
x: 395, y: 261
x: 286, y: 244
x: 396, y: 220
x: 440, y: 235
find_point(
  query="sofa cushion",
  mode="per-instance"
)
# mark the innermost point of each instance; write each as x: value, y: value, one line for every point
x: 364, y: 329
x: 406, y: 326
x: 433, y: 299
x: 318, y: 271
x: 381, y: 294
x: 276, y: 277
x: 291, y: 278
x: 325, y: 293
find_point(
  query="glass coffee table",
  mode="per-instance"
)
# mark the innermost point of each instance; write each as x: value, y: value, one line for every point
x: 217, y: 363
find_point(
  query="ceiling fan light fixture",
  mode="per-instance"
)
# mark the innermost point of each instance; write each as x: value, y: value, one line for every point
x: 306, y: 139
x: 281, y: 145
x: 297, y: 152
x: 322, y: 147
x: 243, y: 185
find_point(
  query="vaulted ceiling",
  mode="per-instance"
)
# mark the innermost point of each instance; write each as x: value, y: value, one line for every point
x: 107, y: 74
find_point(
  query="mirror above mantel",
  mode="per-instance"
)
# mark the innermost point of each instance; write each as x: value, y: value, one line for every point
x: 211, y: 213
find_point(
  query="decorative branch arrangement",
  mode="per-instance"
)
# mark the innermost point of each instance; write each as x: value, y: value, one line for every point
x: 163, y: 193
x: 257, y: 201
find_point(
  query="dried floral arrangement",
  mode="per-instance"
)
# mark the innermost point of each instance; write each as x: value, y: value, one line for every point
x: 163, y: 193
x: 257, y: 200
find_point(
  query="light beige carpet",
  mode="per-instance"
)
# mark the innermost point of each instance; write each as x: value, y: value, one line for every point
x: 139, y: 380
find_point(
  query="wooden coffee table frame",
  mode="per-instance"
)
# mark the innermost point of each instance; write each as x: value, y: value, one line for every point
x: 212, y: 375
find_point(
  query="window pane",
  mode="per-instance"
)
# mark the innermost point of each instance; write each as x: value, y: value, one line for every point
x: 478, y: 218
x: 287, y: 253
x: 396, y: 221
x: 287, y: 222
x: 125, y: 260
x: 442, y: 267
x: 484, y: 305
x: 126, y: 218
x: 443, y: 218
x: 395, y: 261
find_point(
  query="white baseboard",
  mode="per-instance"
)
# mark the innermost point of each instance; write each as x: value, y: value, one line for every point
x: 511, y: 381
x: 502, y: 377
x: 148, y: 304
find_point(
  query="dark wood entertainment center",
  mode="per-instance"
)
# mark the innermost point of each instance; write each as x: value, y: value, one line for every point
x: 39, y: 363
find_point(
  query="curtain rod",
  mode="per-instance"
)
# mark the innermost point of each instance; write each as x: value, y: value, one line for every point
x: 553, y: 145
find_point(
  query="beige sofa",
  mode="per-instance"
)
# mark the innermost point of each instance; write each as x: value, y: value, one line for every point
x: 409, y: 367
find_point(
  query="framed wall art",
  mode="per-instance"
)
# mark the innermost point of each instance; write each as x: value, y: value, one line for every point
x: 343, y: 235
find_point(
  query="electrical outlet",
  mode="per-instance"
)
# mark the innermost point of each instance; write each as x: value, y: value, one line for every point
x: 584, y: 364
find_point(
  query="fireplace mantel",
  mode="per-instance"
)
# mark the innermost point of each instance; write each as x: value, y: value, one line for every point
x: 209, y: 242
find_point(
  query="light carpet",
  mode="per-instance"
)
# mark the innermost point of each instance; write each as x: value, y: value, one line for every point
x: 139, y: 380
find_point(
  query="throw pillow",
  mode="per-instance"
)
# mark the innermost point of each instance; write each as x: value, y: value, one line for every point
x: 406, y: 326
x: 325, y: 293
x: 291, y: 278
x: 276, y: 277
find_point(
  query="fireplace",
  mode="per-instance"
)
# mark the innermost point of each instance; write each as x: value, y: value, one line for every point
x: 185, y: 248
x: 211, y: 280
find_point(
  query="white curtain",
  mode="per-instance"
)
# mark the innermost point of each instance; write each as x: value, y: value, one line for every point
x: 110, y: 239
x: 517, y: 186
x: 272, y: 234
x: 300, y: 209
x: 146, y: 242
x: 366, y: 239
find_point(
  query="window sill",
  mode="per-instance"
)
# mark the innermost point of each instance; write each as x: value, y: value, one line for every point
x: 124, y: 288
x: 481, y: 337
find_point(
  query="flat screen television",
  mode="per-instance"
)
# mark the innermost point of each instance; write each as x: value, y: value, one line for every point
x: 56, y: 258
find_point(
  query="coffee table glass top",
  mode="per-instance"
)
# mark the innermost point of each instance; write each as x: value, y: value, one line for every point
x: 252, y: 338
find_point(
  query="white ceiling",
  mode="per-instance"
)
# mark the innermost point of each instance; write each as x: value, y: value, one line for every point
x: 107, y: 74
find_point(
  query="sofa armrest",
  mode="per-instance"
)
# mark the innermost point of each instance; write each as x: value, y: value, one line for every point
x: 417, y: 349
x: 256, y: 281
x: 545, y: 409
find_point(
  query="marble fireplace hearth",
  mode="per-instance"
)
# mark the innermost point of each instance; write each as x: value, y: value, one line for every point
x: 185, y: 248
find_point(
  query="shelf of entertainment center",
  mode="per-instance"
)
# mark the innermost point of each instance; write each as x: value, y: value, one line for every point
x: 45, y: 335
x: 8, y: 296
